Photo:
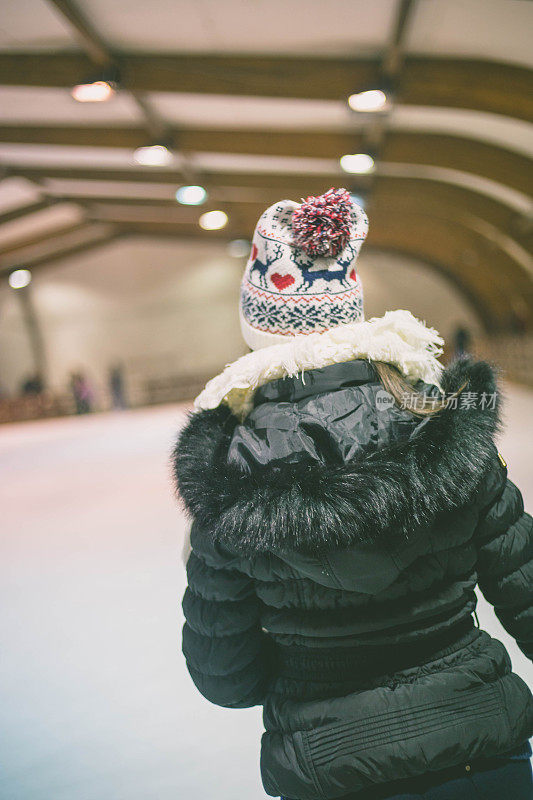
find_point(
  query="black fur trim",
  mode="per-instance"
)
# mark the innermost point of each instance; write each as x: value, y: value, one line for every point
x: 389, y: 494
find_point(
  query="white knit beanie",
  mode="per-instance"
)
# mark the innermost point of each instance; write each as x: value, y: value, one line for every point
x: 300, y: 277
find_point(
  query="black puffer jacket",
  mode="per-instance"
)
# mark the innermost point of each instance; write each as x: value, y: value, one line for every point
x: 336, y: 545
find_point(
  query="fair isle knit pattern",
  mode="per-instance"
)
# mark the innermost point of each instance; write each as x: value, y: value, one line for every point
x: 287, y: 289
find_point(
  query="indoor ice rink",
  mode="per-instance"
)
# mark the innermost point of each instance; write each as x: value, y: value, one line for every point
x: 96, y: 699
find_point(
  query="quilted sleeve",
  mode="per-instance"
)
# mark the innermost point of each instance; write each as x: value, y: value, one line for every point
x: 504, y: 538
x: 223, y: 642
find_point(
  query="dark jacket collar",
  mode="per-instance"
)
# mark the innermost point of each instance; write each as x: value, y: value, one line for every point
x: 316, y: 381
x: 308, y: 508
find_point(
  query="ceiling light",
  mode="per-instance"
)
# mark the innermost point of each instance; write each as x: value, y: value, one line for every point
x: 98, y: 87
x: 357, y: 163
x: 93, y: 92
x: 19, y: 278
x: 191, y: 195
x: 213, y: 220
x: 370, y: 100
x: 153, y: 155
x: 239, y: 248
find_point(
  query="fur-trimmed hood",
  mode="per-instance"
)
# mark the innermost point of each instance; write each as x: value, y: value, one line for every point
x: 307, y: 508
x: 397, y: 337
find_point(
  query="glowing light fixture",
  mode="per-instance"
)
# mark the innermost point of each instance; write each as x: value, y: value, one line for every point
x: 19, y: 278
x: 98, y: 87
x: 191, y: 195
x: 357, y: 163
x: 213, y: 220
x: 93, y: 92
x: 152, y: 155
x: 371, y: 100
x: 239, y: 248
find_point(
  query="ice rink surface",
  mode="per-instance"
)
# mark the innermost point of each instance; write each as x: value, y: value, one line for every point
x: 96, y: 703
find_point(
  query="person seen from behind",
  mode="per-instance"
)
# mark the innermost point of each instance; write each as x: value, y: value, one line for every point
x: 346, y: 497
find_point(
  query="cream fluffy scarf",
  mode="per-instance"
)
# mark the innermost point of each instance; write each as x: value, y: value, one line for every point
x: 397, y: 338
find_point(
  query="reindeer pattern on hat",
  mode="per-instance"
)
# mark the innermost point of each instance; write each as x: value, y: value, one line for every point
x: 289, y: 289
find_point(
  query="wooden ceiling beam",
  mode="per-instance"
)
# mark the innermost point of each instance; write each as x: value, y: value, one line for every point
x: 137, y: 174
x: 274, y: 180
x: 88, y: 37
x: 272, y: 184
x: 269, y: 187
x: 474, y: 84
x: 11, y: 250
x: 460, y: 153
x: 444, y: 198
x: 492, y: 270
x: 81, y: 136
x: 441, y: 198
x: 233, y: 75
x: 26, y: 210
x: 67, y: 252
x: 493, y: 276
x: 426, y: 149
x: 101, y: 55
x: 378, y: 125
x: 453, y: 204
x: 44, y: 70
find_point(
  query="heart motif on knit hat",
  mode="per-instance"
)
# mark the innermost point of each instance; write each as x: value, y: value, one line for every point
x: 353, y: 275
x: 281, y: 281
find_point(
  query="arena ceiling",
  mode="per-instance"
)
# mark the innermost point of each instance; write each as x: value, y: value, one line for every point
x: 252, y: 99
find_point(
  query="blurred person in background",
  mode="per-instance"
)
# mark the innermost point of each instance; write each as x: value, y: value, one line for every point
x: 32, y: 385
x: 82, y: 393
x: 346, y: 497
x: 461, y: 342
x: 116, y: 387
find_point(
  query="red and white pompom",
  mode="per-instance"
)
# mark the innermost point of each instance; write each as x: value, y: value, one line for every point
x: 321, y: 225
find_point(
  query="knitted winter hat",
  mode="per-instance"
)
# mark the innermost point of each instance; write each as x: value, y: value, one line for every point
x: 300, y: 277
